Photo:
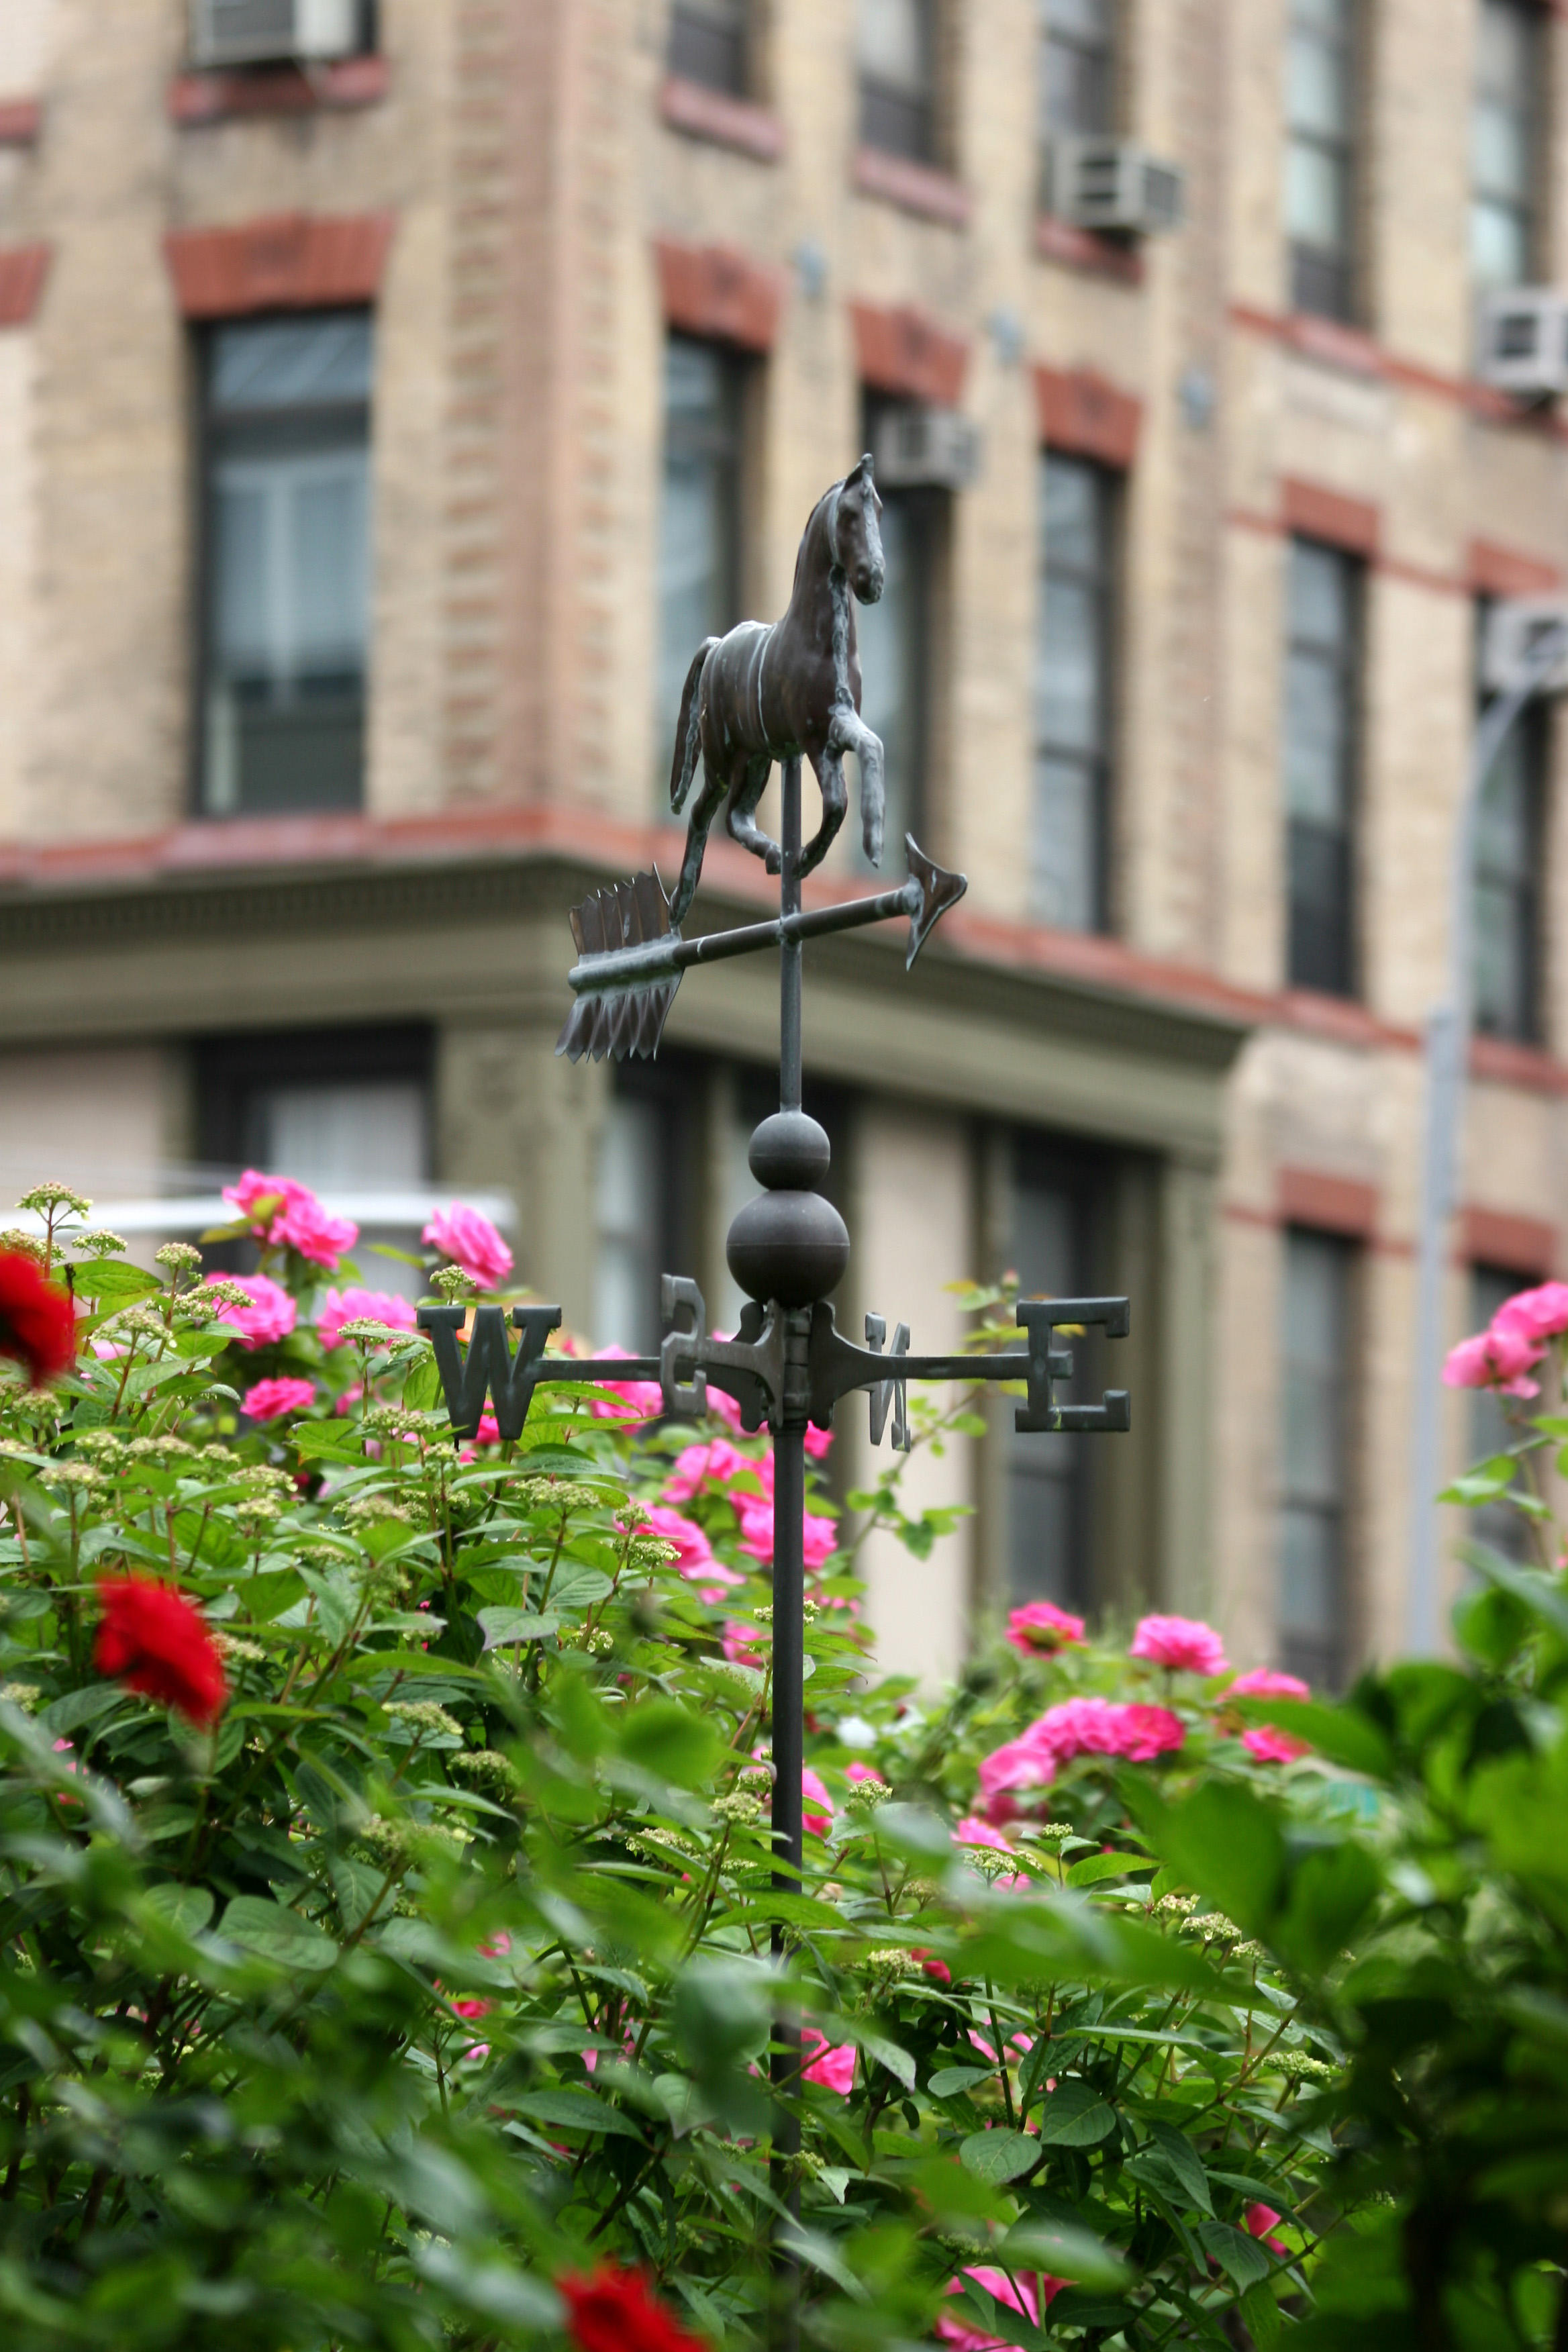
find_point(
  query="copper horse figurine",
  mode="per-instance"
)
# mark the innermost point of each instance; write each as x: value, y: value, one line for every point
x: 782, y: 689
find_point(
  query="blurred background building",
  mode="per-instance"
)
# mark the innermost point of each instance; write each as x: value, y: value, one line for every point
x: 394, y: 393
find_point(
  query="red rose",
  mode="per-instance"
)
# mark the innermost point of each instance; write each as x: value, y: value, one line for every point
x: 37, y: 1322
x: 612, y: 2311
x: 156, y: 1640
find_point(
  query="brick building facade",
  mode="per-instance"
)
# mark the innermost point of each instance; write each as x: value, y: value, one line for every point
x: 378, y: 435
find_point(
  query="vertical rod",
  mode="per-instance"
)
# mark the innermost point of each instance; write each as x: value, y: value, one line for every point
x: 790, y: 951
x: 788, y: 1728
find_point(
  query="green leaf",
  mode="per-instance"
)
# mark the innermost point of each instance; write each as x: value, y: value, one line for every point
x: 1065, y: 2252
x: 275, y: 1933
x: 114, y: 1283
x: 1342, y: 1734
x: 575, y: 2110
x: 502, y: 1626
x: 1261, y: 2314
x: 949, y: 2081
x: 1074, y: 2115
x: 1332, y: 1892
x: 999, y: 2155
x: 664, y: 1737
x: 1185, y: 2162
x: 887, y: 2053
x: 188, y: 1908
x: 1224, y: 1841
x: 1240, y: 2257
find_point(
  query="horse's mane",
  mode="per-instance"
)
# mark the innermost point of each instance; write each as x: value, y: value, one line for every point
x: 814, y: 522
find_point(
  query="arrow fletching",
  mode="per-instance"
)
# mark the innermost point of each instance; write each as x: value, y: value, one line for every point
x: 627, y: 1018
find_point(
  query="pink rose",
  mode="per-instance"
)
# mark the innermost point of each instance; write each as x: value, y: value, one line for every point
x: 696, y: 1466
x: 1266, y: 1682
x: 1040, y: 1627
x: 471, y: 1242
x: 1022, y: 2042
x: 817, y: 1442
x: 288, y: 1216
x: 271, y: 1399
x: 1268, y: 1745
x: 693, y: 1549
x: 1079, y: 1726
x: 820, y: 1821
x: 1022, y: 1763
x: 835, y: 2070
x: 269, y: 1316
x: 1149, y: 1731
x: 859, y: 1772
x: 1494, y: 1360
x: 1259, y: 2220
x: 355, y: 1306
x: 1539, y: 1314
x: 972, y: 1830
x: 1016, y: 2293
x: 938, y: 1970
x: 1183, y: 1643
x: 722, y: 1404
x: 639, y: 1400
x: 820, y: 1533
x: 742, y: 1645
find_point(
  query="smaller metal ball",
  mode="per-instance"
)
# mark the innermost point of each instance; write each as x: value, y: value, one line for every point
x: 791, y: 1246
x: 789, y: 1152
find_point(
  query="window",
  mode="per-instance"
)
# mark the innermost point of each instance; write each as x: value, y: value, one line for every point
x: 1321, y: 695
x: 896, y: 637
x: 1048, y: 1556
x: 1314, y: 1487
x: 345, y: 1111
x: 896, y: 53
x: 1074, y: 657
x: 1497, y: 1524
x: 700, y: 526
x: 1504, y: 116
x: 1077, y: 77
x: 646, y: 1199
x: 1320, y: 157
x: 288, y: 563
x: 707, y: 43
x: 1508, y: 848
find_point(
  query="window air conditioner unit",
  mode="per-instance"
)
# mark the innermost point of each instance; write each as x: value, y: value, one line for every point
x: 273, y: 32
x: 1514, y: 636
x: 1524, y: 341
x: 926, y: 448
x: 1111, y: 183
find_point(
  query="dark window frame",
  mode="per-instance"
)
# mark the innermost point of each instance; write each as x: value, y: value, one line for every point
x: 208, y: 441
x: 706, y: 50
x: 1102, y: 582
x: 927, y: 514
x: 731, y: 447
x: 1525, y: 755
x: 1325, y: 279
x: 1095, y: 58
x: 1327, y: 964
x: 1324, y: 1659
x: 893, y: 121
x: 1536, y: 121
x: 1041, y: 1161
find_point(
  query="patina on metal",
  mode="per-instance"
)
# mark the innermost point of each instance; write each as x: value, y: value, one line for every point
x: 788, y: 1366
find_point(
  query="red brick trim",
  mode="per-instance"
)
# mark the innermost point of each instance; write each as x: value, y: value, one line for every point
x: 1333, y: 1204
x: 1519, y: 1244
x: 710, y: 289
x: 1081, y: 411
x: 1319, y: 513
x: 1083, y: 249
x: 291, y: 261
x: 1510, y: 1065
x: 914, y: 188
x: 22, y: 269
x: 1495, y: 570
x: 704, y: 113
x: 21, y: 120
x: 1355, y: 353
x: 906, y: 353
x: 197, y: 98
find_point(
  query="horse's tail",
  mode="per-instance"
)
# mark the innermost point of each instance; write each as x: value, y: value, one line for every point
x: 687, y: 730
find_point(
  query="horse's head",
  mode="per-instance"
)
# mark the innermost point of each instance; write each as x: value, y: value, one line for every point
x: 857, y: 539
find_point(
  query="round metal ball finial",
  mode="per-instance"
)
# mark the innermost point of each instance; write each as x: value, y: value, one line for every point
x: 788, y: 1244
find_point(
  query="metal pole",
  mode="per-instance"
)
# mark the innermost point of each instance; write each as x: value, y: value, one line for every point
x: 1446, y: 1057
x: 789, y: 1597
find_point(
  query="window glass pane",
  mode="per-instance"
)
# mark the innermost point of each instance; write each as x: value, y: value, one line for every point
x: 893, y: 44
x: 1321, y: 686
x: 1315, y: 1360
x: 1078, y: 78
x: 1072, y: 694
x: 1317, y: 87
x: 1503, y: 120
x: 1317, y: 196
x: 1321, y: 596
x: 707, y: 43
x: 1507, y: 904
x: 1499, y: 245
x: 288, y: 562
x: 352, y: 1136
x: 1048, y: 1499
x: 1316, y: 730
x: 893, y: 636
x: 1499, y: 152
x: 629, y: 1222
x: 699, y: 520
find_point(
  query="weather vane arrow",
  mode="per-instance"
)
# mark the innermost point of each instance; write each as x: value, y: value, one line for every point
x: 782, y: 693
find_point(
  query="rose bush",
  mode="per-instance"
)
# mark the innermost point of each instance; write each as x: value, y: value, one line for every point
x: 387, y: 1911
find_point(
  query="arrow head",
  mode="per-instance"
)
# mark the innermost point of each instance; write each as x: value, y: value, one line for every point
x: 630, y: 1019
x: 938, y: 890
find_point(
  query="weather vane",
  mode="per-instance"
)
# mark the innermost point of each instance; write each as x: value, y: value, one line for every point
x: 766, y: 693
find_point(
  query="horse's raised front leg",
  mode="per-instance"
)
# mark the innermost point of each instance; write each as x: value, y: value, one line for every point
x: 868, y: 749
x: 704, y: 809
x: 750, y: 783
x: 828, y: 769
